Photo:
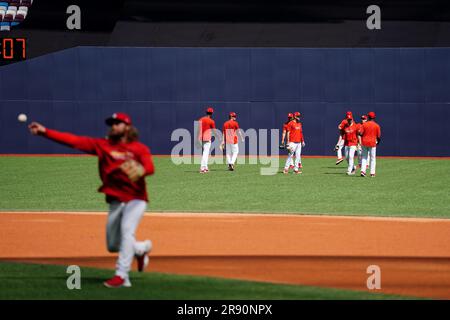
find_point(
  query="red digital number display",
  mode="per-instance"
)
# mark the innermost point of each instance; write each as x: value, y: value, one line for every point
x: 13, y: 49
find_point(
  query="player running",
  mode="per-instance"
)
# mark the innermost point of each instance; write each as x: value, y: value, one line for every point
x: 296, y: 142
x: 350, y: 138
x: 283, y: 136
x: 204, y: 135
x: 230, y: 137
x: 123, y: 164
x: 340, y: 143
x: 369, y: 137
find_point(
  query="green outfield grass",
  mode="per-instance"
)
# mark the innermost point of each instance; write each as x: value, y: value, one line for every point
x: 33, y: 281
x: 403, y: 187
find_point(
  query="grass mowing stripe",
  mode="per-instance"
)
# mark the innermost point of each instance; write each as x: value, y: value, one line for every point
x: 403, y: 187
x: 35, y: 281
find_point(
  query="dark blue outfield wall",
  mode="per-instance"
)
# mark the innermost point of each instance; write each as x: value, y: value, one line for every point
x: 167, y: 88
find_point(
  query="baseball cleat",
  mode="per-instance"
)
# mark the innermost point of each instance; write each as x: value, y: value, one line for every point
x: 372, y: 175
x: 142, y: 257
x: 363, y: 174
x: 351, y: 173
x: 339, y: 160
x: 202, y: 171
x: 117, y: 282
x: 232, y: 167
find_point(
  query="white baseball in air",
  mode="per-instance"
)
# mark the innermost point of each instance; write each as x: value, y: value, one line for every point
x: 22, y: 117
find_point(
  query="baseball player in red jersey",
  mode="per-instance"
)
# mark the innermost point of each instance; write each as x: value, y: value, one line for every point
x: 369, y: 137
x: 296, y: 142
x: 350, y: 138
x: 359, y: 149
x: 230, y: 137
x: 283, y: 136
x: 204, y: 135
x: 123, y: 164
x: 340, y: 143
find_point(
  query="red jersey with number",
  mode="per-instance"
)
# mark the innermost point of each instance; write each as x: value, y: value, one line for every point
x: 116, y: 184
x: 206, y: 124
x: 295, y: 131
x: 370, y: 131
x: 350, y: 135
x: 230, y: 128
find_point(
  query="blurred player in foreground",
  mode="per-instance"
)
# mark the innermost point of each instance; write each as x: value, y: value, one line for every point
x: 296, y: 142
x: 204, y: 136
x: 230, y: 138
x: 369, y: 138
x: 340, y: 143
x: 123, y: 164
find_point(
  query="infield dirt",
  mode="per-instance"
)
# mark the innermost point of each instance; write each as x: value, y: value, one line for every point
x: 325, y: 251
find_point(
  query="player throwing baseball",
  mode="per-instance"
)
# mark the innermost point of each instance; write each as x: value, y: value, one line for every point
x: 296, y: 142
x: 123, y: 164
x: 230, y: 139
x: 369, y: 138
x: 204, y: 136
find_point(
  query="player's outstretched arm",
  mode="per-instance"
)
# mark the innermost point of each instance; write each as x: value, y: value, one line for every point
x: 283, y: 136
x: 85, y: 144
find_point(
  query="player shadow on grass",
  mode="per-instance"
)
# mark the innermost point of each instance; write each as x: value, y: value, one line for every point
x: 210, y: 170
x: 336, y: 173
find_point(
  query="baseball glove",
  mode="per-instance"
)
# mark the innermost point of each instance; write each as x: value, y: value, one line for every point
x: 282, y: 146
x: 133, y: 169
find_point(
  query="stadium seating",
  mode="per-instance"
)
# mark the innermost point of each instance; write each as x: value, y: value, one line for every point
x: 13, y: 12
x: 5, y: 26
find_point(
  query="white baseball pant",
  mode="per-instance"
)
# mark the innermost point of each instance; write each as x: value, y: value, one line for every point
x: 232, y: 152
x: 296, y: 151
x: 123, y: 220
x: 350, y: 156
x: 360, y: 156
x: 339, y: 150
x: 206, y: 146
x: 366, y: 152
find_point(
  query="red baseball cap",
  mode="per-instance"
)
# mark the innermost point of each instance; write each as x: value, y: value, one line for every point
x: 364, y: 117
x: 290, y: 115
x: 118, y: 116
x: 349, y: 113
x: 349, y: 116
x: 297, y: 114
x: 210, y: 110
x: 371, y: 115
x: 233, y: 114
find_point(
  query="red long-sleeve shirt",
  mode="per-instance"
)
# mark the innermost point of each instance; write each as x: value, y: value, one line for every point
x: 116, y: 184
